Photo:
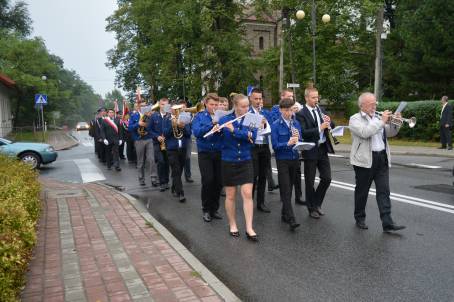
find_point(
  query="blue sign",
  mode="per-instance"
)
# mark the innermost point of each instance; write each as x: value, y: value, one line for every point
x: 249, y: 89
x: 40, y: 99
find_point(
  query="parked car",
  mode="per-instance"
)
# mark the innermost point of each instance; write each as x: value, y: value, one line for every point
x: 33, y: 154
x: 82, y: 126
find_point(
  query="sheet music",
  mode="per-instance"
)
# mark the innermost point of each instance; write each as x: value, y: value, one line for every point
x: 218, y: 114
x: 253, y: 120
x: 338, y: 131
x: 145, y: 109
x: 401, y: 107
x: 185, y: 118
x: 300, y: 146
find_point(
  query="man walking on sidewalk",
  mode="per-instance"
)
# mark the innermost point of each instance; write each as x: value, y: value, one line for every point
x: 446, y: 124
x: 112, y: 136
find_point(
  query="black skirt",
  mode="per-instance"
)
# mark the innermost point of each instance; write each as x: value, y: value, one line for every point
x: 237, y: 173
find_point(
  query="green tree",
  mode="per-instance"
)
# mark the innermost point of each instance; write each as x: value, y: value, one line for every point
x: 15, y: 17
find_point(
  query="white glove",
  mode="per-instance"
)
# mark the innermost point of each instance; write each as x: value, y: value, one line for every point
x: 120, y: 142
x: 106, y: 142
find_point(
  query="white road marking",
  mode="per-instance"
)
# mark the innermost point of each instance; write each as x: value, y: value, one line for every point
x: 394, y: 196
x: 88, y: 144
x: 424, y: 166
x: 88, y: 170
x: 336, y: 155
x: 443, y: 207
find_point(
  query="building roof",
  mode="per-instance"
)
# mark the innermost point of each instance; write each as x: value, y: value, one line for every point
x: 6, y: 81
x: 250, y: 15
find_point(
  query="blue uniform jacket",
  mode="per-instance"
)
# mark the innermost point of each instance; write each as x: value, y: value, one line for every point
x: 156, y: 127
x: 171, y: 141
x: 134, y: 126
x: 275, y: 114
x: 236, y: 146
x: 280, y: 134
x: 201, y: 124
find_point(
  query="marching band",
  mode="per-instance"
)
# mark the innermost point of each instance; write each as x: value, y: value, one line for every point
x: 234, y: 152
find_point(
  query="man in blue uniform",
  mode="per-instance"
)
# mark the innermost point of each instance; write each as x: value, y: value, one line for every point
x: 159, y: 143
x: 285, y: 133
x: 209, y: 158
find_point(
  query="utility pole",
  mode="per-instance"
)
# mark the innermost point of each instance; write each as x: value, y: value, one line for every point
x: 314, y: 34
x: 281, y: 55
x: 378, y: 55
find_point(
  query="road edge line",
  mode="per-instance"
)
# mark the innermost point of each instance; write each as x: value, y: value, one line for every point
x: 218, y: 286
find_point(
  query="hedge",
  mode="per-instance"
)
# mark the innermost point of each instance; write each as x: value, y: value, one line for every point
x: 427, y: 115
x: 20, y: 208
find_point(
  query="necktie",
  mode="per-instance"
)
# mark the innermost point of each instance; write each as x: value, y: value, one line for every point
x: 315, y: 116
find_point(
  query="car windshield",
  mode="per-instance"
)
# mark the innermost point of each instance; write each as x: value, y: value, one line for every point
x: 5, y: 141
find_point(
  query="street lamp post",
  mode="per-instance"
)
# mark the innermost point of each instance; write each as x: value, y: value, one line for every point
x: 300, y: 14
x: 44, y: 78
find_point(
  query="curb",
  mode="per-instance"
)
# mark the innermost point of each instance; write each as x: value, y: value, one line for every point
x: 66, y: 147
x: 220, y: 288
x: 451, y: 155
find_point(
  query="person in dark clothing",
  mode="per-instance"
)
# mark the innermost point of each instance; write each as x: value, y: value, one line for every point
x: 112, y: 137
x: 446, y: 124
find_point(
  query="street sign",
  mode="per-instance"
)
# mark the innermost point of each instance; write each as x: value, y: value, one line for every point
x: 293, y: 85
x: 41, y: 99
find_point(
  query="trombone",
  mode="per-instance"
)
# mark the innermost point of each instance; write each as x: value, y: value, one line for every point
x: 398, y: 121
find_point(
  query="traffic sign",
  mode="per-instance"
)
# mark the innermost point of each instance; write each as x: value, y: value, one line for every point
x: 293, y: 85
x: 41, y: 99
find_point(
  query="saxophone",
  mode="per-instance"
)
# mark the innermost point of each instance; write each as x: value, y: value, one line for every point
x: 142, y: 131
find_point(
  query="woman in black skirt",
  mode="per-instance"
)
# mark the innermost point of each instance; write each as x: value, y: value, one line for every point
x: 237, y: 169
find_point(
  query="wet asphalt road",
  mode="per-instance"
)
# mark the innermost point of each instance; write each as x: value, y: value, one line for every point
x: 325, y: 260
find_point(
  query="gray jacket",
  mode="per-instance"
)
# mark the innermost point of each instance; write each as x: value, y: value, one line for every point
x: 362, y: 131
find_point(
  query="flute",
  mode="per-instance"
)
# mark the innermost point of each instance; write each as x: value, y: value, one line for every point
x: 224, y: 125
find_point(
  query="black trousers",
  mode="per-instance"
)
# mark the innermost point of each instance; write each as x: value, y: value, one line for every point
x: 130, y: 150
x: 121, y: 150
x: 297, y: 182
x: 286, y: 174
x: 261, y: 160
x: 314, y: 197
x: 112, y: 156
x: 176, y: 161
x: 101, y: 151
x: 162, y: 161
x: 445, y: 136
x: 379, y: 173
x: 210, y: 170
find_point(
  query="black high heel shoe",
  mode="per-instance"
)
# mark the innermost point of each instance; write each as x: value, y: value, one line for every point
x: 234, y: 234
x: 253, y: 238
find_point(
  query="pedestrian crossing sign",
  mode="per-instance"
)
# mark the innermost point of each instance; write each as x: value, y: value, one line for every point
x: 41, y: 99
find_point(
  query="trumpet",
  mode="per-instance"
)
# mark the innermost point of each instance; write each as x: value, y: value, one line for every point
x: 398, y: 121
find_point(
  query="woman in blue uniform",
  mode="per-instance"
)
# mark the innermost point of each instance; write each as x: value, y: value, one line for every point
x: 237, y: 168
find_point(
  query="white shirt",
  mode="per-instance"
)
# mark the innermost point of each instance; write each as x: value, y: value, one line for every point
x: 260, y: 139
x: 443, y: 108
x: 378, y: 143
x: 319, y: 122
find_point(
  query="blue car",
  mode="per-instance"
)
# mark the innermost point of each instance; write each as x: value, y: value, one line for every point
x: 33, y: 154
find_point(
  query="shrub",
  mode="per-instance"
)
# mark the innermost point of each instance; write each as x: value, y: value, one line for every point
x: 427, y: 115
x: 19, y: 212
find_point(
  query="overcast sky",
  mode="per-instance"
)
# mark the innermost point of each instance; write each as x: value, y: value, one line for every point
x: 74, y: 30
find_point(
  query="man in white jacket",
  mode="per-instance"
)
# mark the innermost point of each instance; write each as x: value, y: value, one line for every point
x: 371, y: 159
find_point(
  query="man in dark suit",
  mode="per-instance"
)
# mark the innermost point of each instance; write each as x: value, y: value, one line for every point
x: 100, y: 147
x: 315, y: 125
x: 112, y: 136
x: 446, y: 124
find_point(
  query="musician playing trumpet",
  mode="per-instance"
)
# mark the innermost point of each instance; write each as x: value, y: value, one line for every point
x: 371, y: 159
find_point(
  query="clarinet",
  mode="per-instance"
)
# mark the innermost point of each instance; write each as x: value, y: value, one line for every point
x: 329, y: 128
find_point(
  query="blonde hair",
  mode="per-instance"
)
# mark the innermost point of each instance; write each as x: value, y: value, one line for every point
x: 238, y: 97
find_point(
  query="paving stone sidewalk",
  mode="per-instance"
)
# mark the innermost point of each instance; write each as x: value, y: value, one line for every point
x: 93, y: 245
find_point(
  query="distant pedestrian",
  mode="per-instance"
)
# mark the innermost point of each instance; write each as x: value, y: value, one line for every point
x: 446, y: 124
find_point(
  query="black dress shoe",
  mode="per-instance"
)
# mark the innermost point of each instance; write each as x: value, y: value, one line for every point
x: 442, y: 147
x: 252, y: 238
x: 393, y: 227
x: 314, y: 214
x: 361, y: 225
x: 154, y: 183
x: 293, y: 224
x: 118, y: 169
x: 449, y: 148
x: 300, y: 202
x: 272, y: 188
x: 206, y: 217
x: 263, y: 208
x: 216, y: 215
x: 182, y: 199
x: 319, y: 211
x: 162, y: 188
x: 234, y: 234
x: 189, y: 179
x: 142, y: 182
